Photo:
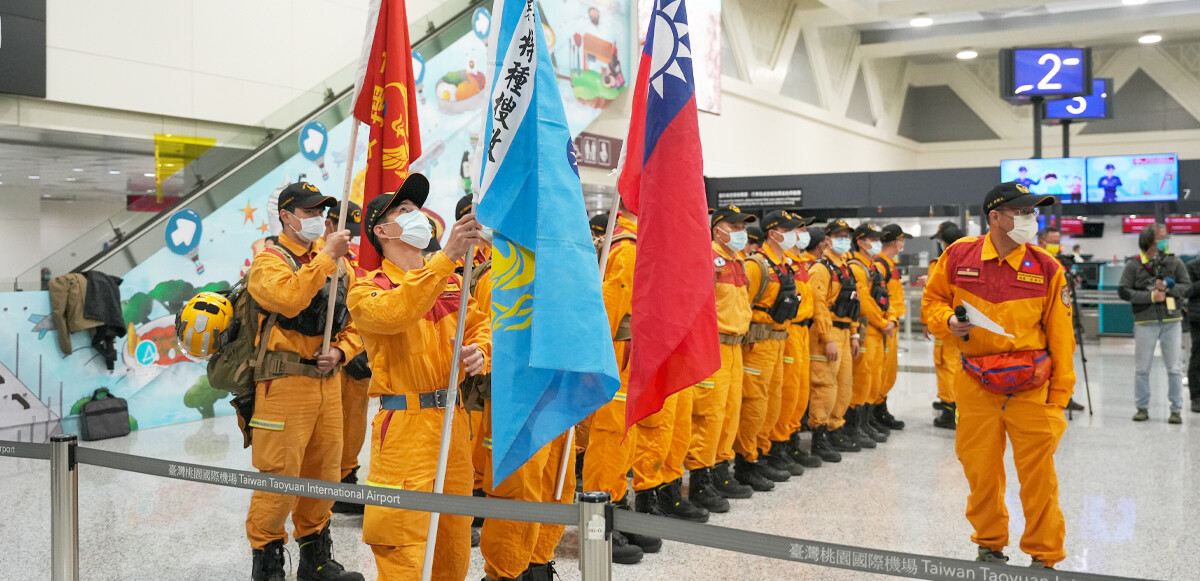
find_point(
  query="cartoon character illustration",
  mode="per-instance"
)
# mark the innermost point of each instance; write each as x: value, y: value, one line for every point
x: 461, y: 91
x: 596, y: 73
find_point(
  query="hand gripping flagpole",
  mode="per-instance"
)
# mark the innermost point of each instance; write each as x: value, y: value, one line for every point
x: 608, y: 235
x: 439, y: 481
x: 341, y: 225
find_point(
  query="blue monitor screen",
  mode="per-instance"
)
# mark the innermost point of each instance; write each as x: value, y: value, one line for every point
x: 1062, y: 177
x: 1133, y: 178
x: 1094, y: 106
x: 1050, y: 71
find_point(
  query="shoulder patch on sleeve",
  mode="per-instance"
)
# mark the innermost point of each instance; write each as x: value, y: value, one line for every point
x: 1066, y: 297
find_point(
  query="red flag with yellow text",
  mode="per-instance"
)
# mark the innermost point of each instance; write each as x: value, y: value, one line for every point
x: 386, y: 101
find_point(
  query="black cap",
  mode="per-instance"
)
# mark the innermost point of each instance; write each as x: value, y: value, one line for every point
x: 947, y: 232
x: 733, y: 215
x: 599, y: 224
x: 892, y: 233
x: 866, y: 230
x: 835, y: 226
x: 463, y: 207
x: 353, y: 215
x: 304, y: 195
x: 754, y: 234
x: 779, y: 219
x: 1013, y: 194
x: 803, y: 221
x: 816, y: 236
x: 414, y: 189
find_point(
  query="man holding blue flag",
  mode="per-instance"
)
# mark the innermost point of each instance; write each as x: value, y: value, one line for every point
x: 552, y: 363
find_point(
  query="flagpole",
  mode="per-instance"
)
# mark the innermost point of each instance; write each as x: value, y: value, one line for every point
x: 439, y: 481
x: 608, y: 235
x: 341, y: 225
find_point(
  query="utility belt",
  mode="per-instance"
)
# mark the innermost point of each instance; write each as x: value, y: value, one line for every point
x: 278, y: 364
x: 763, y: 332
x: 624, y: 330
x: 805, y: 323
x: 841, y: 325
x: 415, y: 401
x: 730, y: 339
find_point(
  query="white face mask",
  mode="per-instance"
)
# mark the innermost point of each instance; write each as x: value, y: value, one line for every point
x: 737, y: 241
x: 485, y: 234
x: 803, y: 239
x: 789, y: 241
x: 417, y: 231
x: 1024, y: 229
x: 876, y: 248
x: 310, y: 228
x: 841, y: 245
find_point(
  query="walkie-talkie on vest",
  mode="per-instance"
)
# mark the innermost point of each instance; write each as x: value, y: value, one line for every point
x: 960, y: 313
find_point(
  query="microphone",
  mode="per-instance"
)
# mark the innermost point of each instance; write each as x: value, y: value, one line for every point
x: 960, y: 313
x: 1170, y: 282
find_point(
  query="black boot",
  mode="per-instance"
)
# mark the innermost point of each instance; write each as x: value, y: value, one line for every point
x: 348, y: 507
x: 728, y: 486
x: 541, y: 572
x: 852, y: 431
x: 886, y: 418
x: 623, y: 551
x: 746, y: 472
x: 268, y: 562
x: 644, y: 543
x: 864, y: 425
x: 840, y: 441
x: 477, y: 521
x: 702, y: 491
x: 873, y: 419
x: 672, y: 503
x: 780, y: 458
x: 316, y: 560
x: 946, y: 419
x: 822, y: 447
x: 646, y: 502
x: 799, y: 456
x: 769, y: 472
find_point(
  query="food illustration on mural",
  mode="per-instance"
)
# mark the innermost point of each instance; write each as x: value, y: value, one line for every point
x: 461, y: 91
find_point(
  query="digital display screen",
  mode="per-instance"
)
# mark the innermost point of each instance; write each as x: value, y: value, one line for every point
x: 1094, y: 106
x: 23, y: 47
x: 1133, y: 178
x: 1045, y: 72
x: 1062, y: 177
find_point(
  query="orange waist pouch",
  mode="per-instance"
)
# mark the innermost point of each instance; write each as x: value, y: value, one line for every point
x: 1009, y: 373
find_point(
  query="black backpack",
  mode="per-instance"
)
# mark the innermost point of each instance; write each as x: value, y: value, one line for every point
x: 787, y: 303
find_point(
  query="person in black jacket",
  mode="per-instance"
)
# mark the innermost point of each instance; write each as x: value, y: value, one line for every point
x: 1193, y: 319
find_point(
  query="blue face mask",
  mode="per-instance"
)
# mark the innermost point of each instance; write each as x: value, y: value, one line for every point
x: 841, y: 245
x: 1164, y: 246
x: 737, y: 241
x: 876, y: 248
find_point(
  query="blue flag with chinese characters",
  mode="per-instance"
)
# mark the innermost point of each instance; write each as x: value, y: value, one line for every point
x: 552, y: 355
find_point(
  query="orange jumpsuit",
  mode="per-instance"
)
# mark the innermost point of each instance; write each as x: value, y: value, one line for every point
x: 793, y: 401
x: 609, y: 454
x: 762, y: 384
x: 297, y: 423
x: 407, y: 320
x: 831, y: 380
x: 717, y: 401
x: 947, y: 361
x: 1024, y: 292
x: 868, y: 368
x: 354, y: 408
x: 897, y: 308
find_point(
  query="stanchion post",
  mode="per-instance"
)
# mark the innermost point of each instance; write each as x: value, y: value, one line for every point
x: 595, y: 536
x: 64, y: 509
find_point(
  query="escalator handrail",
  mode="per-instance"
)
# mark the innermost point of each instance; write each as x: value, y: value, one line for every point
x: 166, y: 213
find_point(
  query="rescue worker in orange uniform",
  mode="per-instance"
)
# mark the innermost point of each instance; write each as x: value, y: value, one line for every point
x: 720, y: 396
x: 1015, y: 385
x: 407, y: 314
x: 356, y: 374
x: 297, y: 421
x: 874, y: 326
x: 893, y: 244
x: 833, y: 342
x: 774, y: 303
x: 947, y: 361
x: 754, y: 240
x: 785, y: 437
x: 609, y: 454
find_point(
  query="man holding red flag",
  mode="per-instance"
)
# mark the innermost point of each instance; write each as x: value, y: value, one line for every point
x: 674, y: 321
x: 385, y: 100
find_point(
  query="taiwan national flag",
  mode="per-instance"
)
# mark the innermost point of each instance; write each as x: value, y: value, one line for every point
x: 385, y: 98
x: 552, y: 357
x: 674, y: 324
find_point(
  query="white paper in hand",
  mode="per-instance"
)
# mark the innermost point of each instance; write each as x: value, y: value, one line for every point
x: 977, y: 318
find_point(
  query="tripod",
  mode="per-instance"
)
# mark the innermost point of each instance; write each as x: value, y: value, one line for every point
x: 1072, y: 280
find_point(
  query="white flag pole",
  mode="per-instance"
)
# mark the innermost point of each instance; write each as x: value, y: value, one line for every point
x: 341, y: 225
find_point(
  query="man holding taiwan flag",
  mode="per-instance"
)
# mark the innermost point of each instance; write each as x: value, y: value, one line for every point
x: 552, y: 365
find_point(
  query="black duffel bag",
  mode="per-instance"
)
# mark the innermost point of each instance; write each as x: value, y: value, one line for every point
x: 105, y: 416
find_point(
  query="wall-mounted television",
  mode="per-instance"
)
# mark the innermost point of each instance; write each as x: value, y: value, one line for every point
x: 1133, y: 178
x: 1062, y: 177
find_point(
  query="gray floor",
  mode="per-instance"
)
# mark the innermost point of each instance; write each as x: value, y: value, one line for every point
x: 1127, y: 490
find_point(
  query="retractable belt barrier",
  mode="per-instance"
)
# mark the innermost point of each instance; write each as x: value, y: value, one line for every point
x: 897, y: 564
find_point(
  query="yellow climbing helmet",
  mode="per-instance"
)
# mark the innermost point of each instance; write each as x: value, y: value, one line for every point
x: 201, y: 323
